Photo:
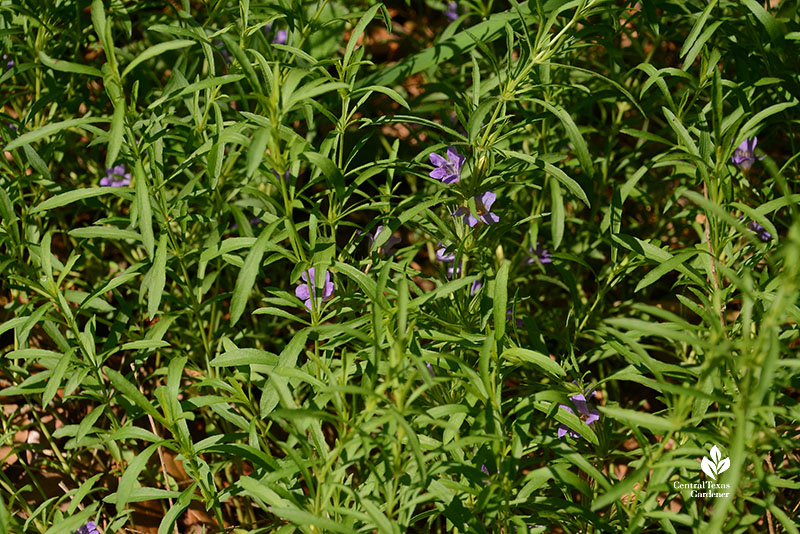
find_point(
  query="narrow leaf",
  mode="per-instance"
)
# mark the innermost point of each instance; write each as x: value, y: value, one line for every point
x: 158, y: 277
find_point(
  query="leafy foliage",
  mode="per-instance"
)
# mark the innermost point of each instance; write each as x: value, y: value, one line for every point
x: 268, y: 317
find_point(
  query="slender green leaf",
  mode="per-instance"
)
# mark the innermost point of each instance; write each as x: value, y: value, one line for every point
x: 157, y: 278
x: 156, y: 50
x: 51, y: 129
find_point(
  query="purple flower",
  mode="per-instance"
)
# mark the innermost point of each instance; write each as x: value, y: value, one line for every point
x: 744, y: 155
x: 88, y: 528
x: 510, y: 315
x: 451, y: 11
x: 485, y: 471
x: 387, y: 249
x: 224, y: 51
x: 302, y: 292
x: 539, y: 253
x: 116, y: 176
x: 442, y: 254
x: 760, y: 231
x: 447, y: 170
x: 281, y: 36
x: 454, y: 270
x: 483, y: 206
x: 430, y: 370
x: 13, y: 127
x: 476, y: 285
x: 587, y: 413
x: 9, y: 61
x: 280, y: 179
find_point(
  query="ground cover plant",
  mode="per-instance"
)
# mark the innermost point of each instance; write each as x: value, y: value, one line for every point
x: 422, y: 266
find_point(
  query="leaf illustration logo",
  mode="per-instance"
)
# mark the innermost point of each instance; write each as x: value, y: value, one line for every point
x: 716, y: 465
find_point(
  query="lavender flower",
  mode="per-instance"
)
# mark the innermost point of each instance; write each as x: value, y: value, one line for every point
x: 483, y: 206
x: 510, y: 315
x: 447, y: 170
x: 540, y: 254
x: 454, y: 270
x: 116, y: 176
x: 442, y: 254
x: 284, y: 178
x: 451, y: 11
x: 485, y: 471
x: 88, y: 528
x: 224, y: 51
x: 9, y: 62
x: 476, y: 286
x: 430, y: 370
x: 744, y: 155
x: 387, y: 249
x: 281, y: 37
x: 308, y: 297
x: 760, y: 231
x: 586, y: 412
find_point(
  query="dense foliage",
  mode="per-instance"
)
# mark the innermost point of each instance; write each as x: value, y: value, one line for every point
x: 335, y: 266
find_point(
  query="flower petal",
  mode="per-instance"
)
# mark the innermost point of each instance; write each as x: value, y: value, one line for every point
x: 437, y: 160
x: 460, y: 212
x: 455, y: 158
x: 442, y: 255
x: 744, y: 145
x: 544, y: 255
x: 439, y: 173
x: 580, y: 403
x: 302, y: 292
x: 487, y: 199
x: 476, y: 285
x: 327, y: 290
x: 593, y: 416
x: 450, y: 179
x: 490, y: 218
